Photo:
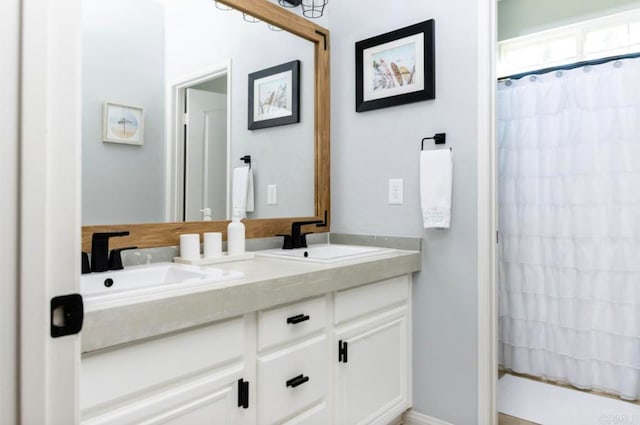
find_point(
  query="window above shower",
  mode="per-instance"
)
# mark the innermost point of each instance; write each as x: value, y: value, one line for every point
x: 612, y: 35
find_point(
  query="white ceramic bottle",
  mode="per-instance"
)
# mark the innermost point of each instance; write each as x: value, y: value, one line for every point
x: 235, y: 235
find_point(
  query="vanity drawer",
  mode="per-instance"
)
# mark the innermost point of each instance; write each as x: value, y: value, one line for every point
x: 292, y: 380
x: 116, y: 375
x: 317, y: 415
x: 366, y: 299
x: 288, y: 323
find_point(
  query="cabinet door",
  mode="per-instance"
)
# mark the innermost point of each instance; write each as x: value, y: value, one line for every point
x: 209, y: 400
x: 134, y: 371
x: 372, y: 386
x: 216, y: 408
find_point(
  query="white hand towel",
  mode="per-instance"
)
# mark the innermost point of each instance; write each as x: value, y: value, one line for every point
x: 250, y: 195
x: 242, y: 197
x: 436, y: 182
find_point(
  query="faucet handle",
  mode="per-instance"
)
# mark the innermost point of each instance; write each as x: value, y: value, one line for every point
x: 115, y: 259
x: 303, y: 239
x: 288, y: 242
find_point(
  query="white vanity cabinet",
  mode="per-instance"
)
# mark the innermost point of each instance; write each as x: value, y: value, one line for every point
x: 372, y: 381
x: 341, y: 358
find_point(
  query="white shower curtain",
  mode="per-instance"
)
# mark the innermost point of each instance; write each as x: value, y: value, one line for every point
x: 569, y: 220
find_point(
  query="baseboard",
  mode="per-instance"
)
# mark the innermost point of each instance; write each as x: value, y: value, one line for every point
x: 412, y: 417
x: 397, y: 421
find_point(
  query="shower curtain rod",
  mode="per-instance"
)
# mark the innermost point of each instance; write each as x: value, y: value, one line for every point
x: 571, y: 66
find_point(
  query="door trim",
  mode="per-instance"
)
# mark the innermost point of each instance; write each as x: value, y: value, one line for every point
x: 50, y: 137
x: 174, y: 137
x: 487, y: 362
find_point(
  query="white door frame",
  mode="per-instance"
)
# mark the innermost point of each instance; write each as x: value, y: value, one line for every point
x: 174, y: 116
x: 9, y: 220
x: 486, y: 219
x: 50, y: 135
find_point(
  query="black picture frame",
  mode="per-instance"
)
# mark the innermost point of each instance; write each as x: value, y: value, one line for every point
x: 288, y: 72
x: 379, y: 91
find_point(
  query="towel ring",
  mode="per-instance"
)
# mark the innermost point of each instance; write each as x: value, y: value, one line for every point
x: 246, y: 159
x: 438, y: 138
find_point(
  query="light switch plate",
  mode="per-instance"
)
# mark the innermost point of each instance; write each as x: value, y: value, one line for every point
x: 272, y: 194
x: 396, y: 195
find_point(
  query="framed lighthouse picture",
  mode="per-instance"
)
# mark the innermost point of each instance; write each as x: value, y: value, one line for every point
x: 122, y: 124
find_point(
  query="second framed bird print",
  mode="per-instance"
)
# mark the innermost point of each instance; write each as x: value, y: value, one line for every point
x: 396, y: 68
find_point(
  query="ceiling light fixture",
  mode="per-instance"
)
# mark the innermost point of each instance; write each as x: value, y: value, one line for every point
x: 310, y: 8
x: 223, y: 6
x: 250, y: 18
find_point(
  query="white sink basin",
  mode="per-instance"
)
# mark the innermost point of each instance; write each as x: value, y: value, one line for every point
x: 148, y: 280
x: 324, y: 253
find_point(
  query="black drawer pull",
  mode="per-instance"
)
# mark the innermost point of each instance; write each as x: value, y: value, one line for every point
x: 297, y: 319
x: 298, y: 380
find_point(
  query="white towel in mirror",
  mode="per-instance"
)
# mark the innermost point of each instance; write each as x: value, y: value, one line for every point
x: 242, y: 196
x: 436, y: 182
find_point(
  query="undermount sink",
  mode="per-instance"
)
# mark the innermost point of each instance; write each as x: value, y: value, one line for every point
x: 148, y: 280
x: 325, y: 253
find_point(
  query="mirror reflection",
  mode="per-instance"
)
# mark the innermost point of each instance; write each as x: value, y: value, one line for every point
x: 173, y: 77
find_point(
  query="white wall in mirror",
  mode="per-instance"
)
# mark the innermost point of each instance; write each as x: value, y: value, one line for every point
x: 123, y: 62
x: 133, y: 51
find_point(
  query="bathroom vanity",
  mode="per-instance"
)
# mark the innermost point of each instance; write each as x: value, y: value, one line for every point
x: 292, y: 342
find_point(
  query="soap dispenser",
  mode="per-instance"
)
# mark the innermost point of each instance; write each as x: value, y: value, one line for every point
x: 206, y: 214
x: 235, y: 234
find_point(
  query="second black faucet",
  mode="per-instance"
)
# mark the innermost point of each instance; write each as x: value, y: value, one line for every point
x: 297, y: 239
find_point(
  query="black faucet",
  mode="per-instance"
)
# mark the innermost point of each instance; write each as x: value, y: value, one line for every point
x: 100, y: 250
x: 297, y: 239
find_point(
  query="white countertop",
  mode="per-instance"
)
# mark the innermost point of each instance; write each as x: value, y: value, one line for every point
x: 267, y: 282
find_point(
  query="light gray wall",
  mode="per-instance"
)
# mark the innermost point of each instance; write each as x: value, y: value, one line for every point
x: 199, y: 37
x: 369, y: 148
x: 521, y: 17
x: 122, y: 183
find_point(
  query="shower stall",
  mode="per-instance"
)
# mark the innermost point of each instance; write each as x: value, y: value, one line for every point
x: 569, y: 225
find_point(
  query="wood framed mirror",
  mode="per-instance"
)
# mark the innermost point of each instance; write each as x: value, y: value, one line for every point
x: 167, y: 234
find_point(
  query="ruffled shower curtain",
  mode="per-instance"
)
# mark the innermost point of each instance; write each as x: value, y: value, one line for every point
x: 569, y: 221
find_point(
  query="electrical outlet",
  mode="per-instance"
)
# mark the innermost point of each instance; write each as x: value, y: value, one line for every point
x: 396, y: 192
x: 272, y: 194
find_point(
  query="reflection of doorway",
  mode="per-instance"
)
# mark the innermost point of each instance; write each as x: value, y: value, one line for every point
x: 199, y: 145
x: 205, y: 152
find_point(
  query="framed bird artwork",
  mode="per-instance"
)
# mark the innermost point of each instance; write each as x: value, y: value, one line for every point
x: 396, y: 68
